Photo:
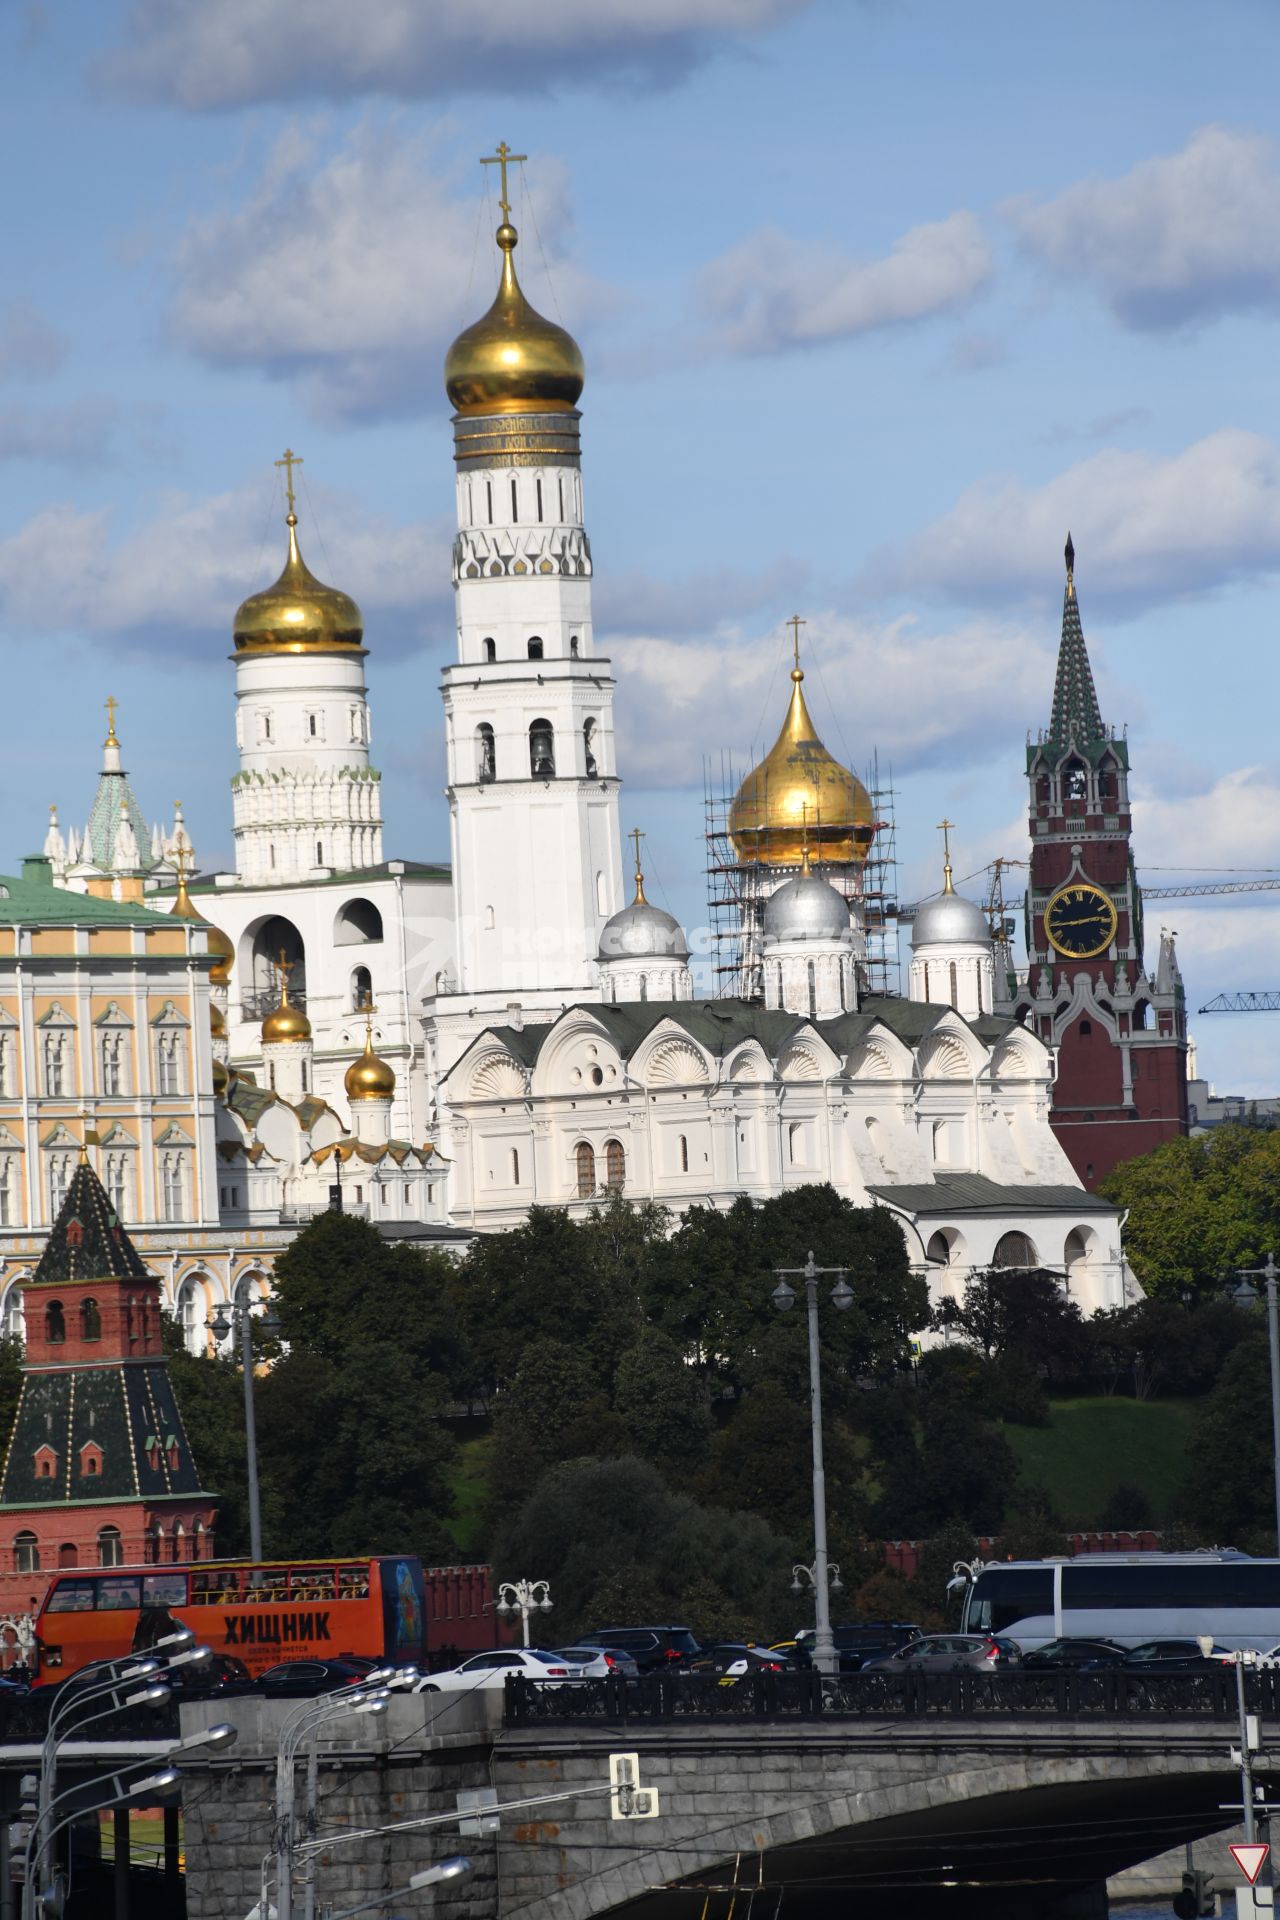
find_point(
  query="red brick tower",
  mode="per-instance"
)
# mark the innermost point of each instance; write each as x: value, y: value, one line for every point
x: 1121, y: 1036
x: 98, y: 1472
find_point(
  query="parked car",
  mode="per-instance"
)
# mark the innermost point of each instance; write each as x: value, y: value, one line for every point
x: 949, y: 1653
x: 598, y: 1662
x: 221, y: 1673
x: 503, y: 1664
x: 735, y: 1659
x: 297, y: 1678
x: 1082, y: 1656
x: 1174, y: 1656
x: 858, y: 1642
x: 652, y: 1648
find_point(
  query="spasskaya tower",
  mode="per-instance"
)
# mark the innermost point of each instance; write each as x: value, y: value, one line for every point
x: 1120, y: 1034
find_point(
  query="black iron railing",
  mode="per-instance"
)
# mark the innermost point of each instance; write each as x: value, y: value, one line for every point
x: 27, y: 1719
x: 769, y: 1696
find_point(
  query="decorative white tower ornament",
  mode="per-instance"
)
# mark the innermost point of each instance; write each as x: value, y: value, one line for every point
x: 952, y: 958
x: 533, y: 791
x: 306, y: 801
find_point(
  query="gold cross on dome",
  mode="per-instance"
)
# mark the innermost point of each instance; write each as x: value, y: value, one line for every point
x: 502, y: 159
x: 795, y: 623
x: 289, y: 460
x: 636, y: 835
x: 112, y: 707
x: 946, y: 828
x: 284, y: 968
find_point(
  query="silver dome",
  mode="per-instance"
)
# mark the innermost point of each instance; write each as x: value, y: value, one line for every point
x: 643, y: 932
x: 949, y: 920
x: 806, y: 908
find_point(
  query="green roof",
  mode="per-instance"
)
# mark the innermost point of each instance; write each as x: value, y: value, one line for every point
x: 87, y: 1241
x: 975, y: 1193
x: 27, y: 902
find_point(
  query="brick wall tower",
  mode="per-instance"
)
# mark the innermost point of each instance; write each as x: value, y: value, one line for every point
x: 1121, y: 1035
x: 98, y: 1472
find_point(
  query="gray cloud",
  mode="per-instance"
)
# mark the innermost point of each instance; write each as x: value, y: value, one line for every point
x: 130, y: 588
x: 1147, y: 527
x: 771, y: 292
x: 79, y: 434
x: 31, y: 348
x: 340, y: 269
x: 189, y: 54
x: 1183, y: 237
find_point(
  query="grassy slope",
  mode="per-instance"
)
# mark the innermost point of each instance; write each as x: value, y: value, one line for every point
x: 1096, y: 1445
x: 470, y: 1488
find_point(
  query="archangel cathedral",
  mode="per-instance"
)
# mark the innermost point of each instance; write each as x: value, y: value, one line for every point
x: 441, y: 1043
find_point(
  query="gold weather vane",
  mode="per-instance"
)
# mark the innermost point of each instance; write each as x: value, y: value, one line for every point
x: 111, y: 705
x: 289, y: 460
x: 795, y: 623
x: 946, y: 828
x: 502, y: 159
x: 636, y: 835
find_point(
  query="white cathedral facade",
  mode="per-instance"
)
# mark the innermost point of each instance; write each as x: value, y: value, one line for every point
x: 533, y: 1037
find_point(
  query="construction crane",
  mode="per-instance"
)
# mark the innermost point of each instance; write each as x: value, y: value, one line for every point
x: 1244, y: 1003
x: 1211, y: 886
x: 1194, y: 890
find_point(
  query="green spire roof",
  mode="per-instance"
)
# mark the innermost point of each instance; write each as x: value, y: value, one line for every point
x: 87, y: 1241
x: 1076, y: 719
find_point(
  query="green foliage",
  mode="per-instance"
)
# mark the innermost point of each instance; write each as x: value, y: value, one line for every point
x: 11, y: 1353
x: 210, y: 1396
x: 1008, y: 1311
x: 662, y: 1403
x: 1200, y: 1207
x: 1158, y: 1345
x: 1229, y: 1490
x: 1095, y: 1443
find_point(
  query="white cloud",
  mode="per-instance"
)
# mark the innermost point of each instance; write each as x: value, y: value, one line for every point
x: 190, y: 54
x: 1230, y: 822
x: 1183, y: 237
x: 174, y: 583
x: 921, y: 698
x: 342, y: 268
x: 771, y: 292
x: 1147, y: 527
x: 31, y: 347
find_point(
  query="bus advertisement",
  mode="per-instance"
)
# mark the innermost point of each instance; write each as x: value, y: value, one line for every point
x: 260, y: 1614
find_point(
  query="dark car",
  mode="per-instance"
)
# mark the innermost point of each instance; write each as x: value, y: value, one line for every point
x: 652, y: 1648
x: 221, y: 1673
x: 734, y: 1657
x: 1081, y: 1656
x: 950, y: 1653
x: 858, y: 1642
x: 298, y: 1678
x: 1174, y: 1656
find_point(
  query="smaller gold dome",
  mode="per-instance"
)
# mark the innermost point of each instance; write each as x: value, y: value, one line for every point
x: 221, y: 1078
x: 800, y: 796
x: 512, y: 360
x: 369, y: 1078
x: 299, y: 613
x: 185, y: 908
x: 285, y: 1022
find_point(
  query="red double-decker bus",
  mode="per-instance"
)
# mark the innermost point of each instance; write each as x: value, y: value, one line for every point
x: 385, y: 1607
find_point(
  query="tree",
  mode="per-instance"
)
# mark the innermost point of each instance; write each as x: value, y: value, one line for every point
x: 662, y: 1404
x: 761, y: 1462
x: 1157, y: 1344
x: 551, y: 1412
x: 1228, y: 1495
x: 1012, y: 1311
x: 1198, y: 1208
x: 210, y: 1394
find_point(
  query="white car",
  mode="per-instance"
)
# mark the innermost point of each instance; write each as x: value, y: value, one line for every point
x: 496, y: 1668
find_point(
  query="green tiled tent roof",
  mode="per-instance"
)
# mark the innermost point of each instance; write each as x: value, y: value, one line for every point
x: 87, y: 1241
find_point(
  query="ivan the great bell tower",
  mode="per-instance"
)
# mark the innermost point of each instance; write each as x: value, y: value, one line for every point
x: 1120, y: 1035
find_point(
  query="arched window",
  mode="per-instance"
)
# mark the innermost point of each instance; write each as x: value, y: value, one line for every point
x: 153, y: 1551
x: 171, y: 1172
x: 59, y: 1181
x: 274, y: 937
x: 588, y: 747
x: 813, y: 989
x: 585, y: 1158
x: 358, y: 924
x: 319, y: 853
x: 55, y: 1062
x: 615, y: 1166
x: 55, y: 1324
x: 684, y: 1154
x: 361, y: 989
x: 110, y: 1547
x: 938, y: 1251
x: 515, y: 1166
x: 90, y: 1320
x: 535, y: 648
x: 955, y: 995
x: 1074, y: 781
x: 13, y: 1319
x: 167, y: 1063
x: 8, y: 1185
x: 573, y: 646
x: 112, y: 1050
x: 1014, y: 1250
x: 26, y: 1553
x: 68, y: 1555
x: 192, y: 1310
x: 490, y: 650
x: 542, y: 749
x: 486, y: 761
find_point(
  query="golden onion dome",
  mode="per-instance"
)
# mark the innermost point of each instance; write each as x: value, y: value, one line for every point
x: 299, y: 613
x: 369, y: 1078
x: 512, y: 360
x: 800, y: 796
x: 185, y: 908
x: 285, y: 1022
x: 221, y: 1078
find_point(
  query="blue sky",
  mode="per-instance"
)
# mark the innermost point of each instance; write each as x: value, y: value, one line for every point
x: 877, y: 300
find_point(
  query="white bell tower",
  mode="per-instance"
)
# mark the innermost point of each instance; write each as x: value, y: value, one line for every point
x: 533, y: 788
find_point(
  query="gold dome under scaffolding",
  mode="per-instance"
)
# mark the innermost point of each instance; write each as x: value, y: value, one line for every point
x: 299, y: 614
x: 513, y: 360
x: 799, y: 795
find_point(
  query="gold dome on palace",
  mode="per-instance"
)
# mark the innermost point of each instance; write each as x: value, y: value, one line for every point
x: 185, y: 908
x: 512, y: 360
x: 299, y: 613
x: 799, y: 795
x: 369, y: 1078
x: 285, y: 1022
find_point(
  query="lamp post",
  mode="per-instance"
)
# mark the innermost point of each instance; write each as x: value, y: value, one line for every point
x: 1245, y: 1294
x: 240, y: 1319
x: 524, y: 1597
x: 825, y: 1658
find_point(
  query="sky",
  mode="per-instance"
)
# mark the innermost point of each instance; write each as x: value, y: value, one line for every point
x: 878, y: 299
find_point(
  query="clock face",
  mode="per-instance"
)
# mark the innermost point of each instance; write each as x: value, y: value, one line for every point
x: 1080, y: 920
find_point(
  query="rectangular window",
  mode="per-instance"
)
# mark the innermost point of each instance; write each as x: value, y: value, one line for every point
x: 122, y: 1590
x: 164, y: 1590
x: 6, y: 1192
x: 167, y: 1064
x: 72, y: 1596
x: 171, y: 1181
x: 54, y: 1065
x: 5, y: 1056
